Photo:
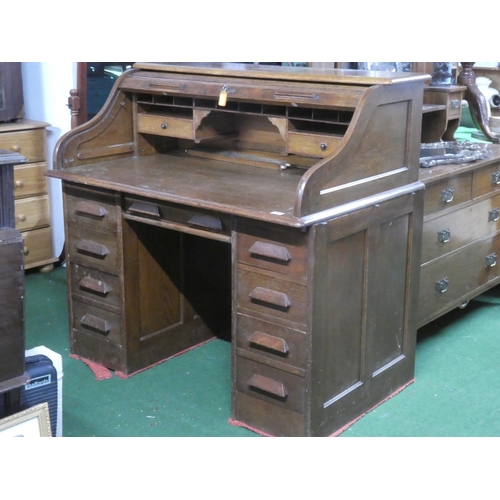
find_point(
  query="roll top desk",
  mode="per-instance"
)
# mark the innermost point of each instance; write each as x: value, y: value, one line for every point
x: 278, y: 209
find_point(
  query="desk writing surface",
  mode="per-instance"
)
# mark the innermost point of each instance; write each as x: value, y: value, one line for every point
x: 248, y: 191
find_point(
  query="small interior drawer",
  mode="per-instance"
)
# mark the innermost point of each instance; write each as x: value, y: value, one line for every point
x: 165, y: 125
x: 312, y: 144
x: 447, y: 193
x: 32, y: 212
x: 29, y: 180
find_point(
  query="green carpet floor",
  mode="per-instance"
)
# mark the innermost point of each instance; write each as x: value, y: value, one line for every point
x: 456, y: 391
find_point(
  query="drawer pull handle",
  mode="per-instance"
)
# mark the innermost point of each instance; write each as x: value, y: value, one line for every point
x: 94, y: 285
x: 166, y: 87
x: 493, y: 215
x: 92, y: 209
x: 16, y: 148
x: 296, y: 97
x: 270, y: 251
x: 269, y: 342
x: 271, y: 297
x: 444, y: 236
x: 95, y: 323
x: 268, y: 385
x: 206, y: 221
x: 22, y: 217
x: 495, y: 178
x: 447, y: 195
x: 491, y: 260
x: 442, y: 285
x: 455, y: 103
x: 93, y: 248
x: 142, y: 208
x: 19, y: 184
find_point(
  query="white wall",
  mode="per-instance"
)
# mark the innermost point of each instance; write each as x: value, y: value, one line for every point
x: 46, y: 90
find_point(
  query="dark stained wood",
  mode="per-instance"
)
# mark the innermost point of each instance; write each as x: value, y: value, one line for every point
x: 276, y: 208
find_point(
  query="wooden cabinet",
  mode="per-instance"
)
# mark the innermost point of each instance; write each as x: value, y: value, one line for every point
x: 461, y: 235
x: 32, y: 204
x: 280, y: 209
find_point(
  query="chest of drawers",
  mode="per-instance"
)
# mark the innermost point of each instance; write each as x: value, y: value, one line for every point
x: 461, y: 235
x: 32, y: 204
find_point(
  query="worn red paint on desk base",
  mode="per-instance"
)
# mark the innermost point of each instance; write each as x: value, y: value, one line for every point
x: 237, y: 423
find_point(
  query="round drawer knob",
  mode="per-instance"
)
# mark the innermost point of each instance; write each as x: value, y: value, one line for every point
x: 26, y: 250
x: 163, y: 126
x: 19, y: 184
x: 16, y: 148
x: 22, y: 217
x: 323, y: 146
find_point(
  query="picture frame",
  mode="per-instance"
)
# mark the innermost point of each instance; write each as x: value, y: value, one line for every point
x: 32, y: 422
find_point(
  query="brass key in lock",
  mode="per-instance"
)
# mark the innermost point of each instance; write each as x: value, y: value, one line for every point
x: 223, y: 96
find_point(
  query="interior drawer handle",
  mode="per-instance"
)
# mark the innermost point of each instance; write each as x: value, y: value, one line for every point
x: 95, y: 323
x: 491, y: 260
x: 270, y: 251
x: 206, y: 221
x: 493, y: 215
x: 94, y: 285
x: 268, y: 385
x: 444, y: 236
x: 455, y: 103
x: 143, y: 208
x: 271, y: 297
x: 92, y: 209
x: 442, y: 285
x: 92, y: 247
x: 447, y: 195
x: 495, y: 178
x: 269, y: 342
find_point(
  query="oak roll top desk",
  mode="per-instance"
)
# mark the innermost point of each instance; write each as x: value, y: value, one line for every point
x: 277, y: 208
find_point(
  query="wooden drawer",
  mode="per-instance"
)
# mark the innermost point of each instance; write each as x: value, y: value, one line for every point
x: 165, y: 125
x: 97, y: 322
x: 29, y: 180
x: 454, y: 230
x: 37, y: 246
x: 270, y: 385
x: 29, y: 143
x: 447, y: 193
x: 445, y: 281
x: 96, y: 286
x: 310, y: 144
x: 454, y: 104
x: 91, y: 208
x: 179, y: 217
x: 31, y: 213
x: 486, y: 180
x: 93, y: 249
x: 276, y: 343
x: 269, y: 295
x: 280, y: 251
